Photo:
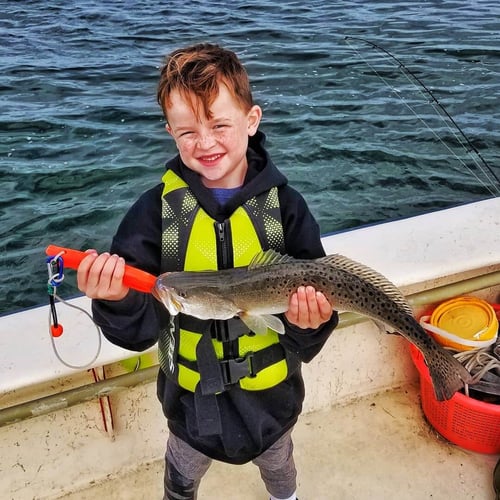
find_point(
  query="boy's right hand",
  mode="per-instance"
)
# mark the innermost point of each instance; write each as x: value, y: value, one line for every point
x: 101, y: 276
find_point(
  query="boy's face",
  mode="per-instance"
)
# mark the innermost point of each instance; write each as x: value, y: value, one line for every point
x: 215, y: 148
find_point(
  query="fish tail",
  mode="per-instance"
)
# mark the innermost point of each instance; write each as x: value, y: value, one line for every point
x: 448, y: 374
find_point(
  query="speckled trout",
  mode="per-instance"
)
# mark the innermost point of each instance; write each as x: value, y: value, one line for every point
x: 262, y: 289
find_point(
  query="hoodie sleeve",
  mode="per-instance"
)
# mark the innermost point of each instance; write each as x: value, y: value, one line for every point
x: 302, y: 241
x: 133, y: 323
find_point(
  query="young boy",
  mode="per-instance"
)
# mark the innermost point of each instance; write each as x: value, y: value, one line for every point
x: 227, y: 393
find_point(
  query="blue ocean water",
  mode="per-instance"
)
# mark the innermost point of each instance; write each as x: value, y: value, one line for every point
x: 82, y: 135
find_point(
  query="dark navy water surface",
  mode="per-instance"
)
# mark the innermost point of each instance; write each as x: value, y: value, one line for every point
x: 82, y: 135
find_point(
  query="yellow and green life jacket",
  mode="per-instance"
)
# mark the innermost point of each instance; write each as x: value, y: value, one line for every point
x: 194, y: 241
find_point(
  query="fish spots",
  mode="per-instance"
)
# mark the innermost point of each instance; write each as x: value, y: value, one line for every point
x: 266, y: 285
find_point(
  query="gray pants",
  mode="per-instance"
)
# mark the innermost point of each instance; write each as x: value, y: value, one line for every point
x: 185, y: 466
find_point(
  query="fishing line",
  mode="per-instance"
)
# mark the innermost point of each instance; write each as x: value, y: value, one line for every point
x: 54, y: 347
x: 494, y: 187
x: 461, y: 137
x: 55, y: 269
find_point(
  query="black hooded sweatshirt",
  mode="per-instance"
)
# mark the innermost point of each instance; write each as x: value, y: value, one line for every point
x: 251, y: 420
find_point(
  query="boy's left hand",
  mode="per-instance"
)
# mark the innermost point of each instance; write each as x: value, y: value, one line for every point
x: 308, y: 308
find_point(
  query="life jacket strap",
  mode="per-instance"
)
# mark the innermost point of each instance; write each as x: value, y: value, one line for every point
x: 229, y: 330
x: 221, y: 330
x: 234, y: 369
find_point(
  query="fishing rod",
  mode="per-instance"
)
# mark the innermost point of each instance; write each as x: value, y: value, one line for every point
x: 465, y: 142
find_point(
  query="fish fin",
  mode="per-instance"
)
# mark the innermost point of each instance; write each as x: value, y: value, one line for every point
x: 385, y: 328
x: 274, y: 323
x: 260, y: 324
x: 369, y: 275
x: 447, y: 373
x: 269, y: 258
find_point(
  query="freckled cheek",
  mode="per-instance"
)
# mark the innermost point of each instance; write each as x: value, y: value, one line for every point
x: 223, y: 138
x: 223, y: 141
x: 185, y: 149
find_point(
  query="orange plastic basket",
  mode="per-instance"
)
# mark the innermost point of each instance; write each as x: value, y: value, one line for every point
x: 467, y: 422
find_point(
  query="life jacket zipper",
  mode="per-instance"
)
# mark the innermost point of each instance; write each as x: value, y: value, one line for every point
x: 223, y: 251
x: 224, y: 258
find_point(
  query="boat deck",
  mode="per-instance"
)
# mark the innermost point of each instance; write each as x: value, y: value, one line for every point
x: 377, y: 447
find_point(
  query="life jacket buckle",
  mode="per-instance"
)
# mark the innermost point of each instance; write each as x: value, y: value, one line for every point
x: 235, y: 369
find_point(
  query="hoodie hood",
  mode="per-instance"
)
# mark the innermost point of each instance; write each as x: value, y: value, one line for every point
x: 261, y: 176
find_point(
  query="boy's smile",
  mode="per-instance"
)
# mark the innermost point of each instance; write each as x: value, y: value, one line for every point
x: 213, y: 147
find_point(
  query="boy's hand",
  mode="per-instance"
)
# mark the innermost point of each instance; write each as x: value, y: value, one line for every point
x: 101, y: 276
x: 308, y: 308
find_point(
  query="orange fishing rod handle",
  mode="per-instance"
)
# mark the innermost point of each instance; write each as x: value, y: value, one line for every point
x: 133, y: 277
x: 138, y: 280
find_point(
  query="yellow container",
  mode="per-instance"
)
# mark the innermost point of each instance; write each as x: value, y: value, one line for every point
x: 463, y: 323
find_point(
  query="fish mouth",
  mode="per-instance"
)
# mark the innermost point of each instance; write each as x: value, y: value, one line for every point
x: 174, y: 306
x: 167, y: 298
x: 177, y: 305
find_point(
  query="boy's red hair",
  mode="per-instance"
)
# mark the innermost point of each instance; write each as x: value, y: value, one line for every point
x: 198, y: 71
